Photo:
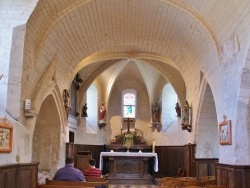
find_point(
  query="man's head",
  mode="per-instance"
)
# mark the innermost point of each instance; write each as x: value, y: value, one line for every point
x: 92, y: 162
x: 69, y: 160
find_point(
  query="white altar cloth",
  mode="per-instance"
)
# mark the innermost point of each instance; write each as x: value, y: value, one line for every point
x: 129, y: 154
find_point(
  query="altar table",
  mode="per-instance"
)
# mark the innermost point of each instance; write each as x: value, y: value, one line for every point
x: 129, y: 167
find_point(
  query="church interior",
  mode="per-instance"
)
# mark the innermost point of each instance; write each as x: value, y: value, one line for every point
x: 145, y: 87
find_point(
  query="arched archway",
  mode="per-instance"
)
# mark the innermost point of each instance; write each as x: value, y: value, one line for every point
x: 242, y: 132
x: 46, y: 138
x: 169, y: 99
x: 92, y: 101
x: 207, y: 140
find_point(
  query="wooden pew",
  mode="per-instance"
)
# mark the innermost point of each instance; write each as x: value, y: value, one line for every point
x: 161, y: 180
x: 95, y: 179
x: 75, y: 183
x: 60, y: 186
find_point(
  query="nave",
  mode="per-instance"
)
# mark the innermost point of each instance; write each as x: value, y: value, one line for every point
x: 62, y: 61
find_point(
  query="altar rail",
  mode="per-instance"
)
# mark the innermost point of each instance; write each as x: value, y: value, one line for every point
x: 23, y: 175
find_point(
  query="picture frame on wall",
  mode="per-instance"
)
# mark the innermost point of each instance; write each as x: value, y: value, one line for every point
x: 6, y: 136
x: 225, y: 133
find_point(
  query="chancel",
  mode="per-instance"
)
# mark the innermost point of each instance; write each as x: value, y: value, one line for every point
x: 128, y: 139
x: 129, y: 168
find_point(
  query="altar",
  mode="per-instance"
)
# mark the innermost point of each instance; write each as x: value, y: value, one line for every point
x: 130, y: 167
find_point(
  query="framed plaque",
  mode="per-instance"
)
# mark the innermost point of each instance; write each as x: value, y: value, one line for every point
x: 6, y: 136
x: 225, y: 133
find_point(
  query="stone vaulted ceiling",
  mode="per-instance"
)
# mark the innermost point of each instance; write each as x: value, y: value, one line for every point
x: 92, y: 35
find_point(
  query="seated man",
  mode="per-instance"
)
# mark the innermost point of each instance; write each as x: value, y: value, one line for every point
x: 69, y: 172
x: 92, y: 170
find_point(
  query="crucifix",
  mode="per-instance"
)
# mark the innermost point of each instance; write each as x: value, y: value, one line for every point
x: 128, y: 121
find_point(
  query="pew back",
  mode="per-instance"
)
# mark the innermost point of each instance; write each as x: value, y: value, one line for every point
x: 95, y: 179
x: 75, y: 183
x: 60, y: 186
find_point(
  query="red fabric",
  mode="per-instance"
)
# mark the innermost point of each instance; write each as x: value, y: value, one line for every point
x: 94, y: 172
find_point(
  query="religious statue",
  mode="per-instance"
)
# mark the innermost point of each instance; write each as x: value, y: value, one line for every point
x: 178, y: 110
x: 185, y: 117
x: 84, y: 111
x: 156, y: 113
x: 66, y: 101
x: 102, y: 115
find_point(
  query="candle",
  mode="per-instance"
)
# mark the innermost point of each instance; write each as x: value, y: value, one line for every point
x: 153, y: 147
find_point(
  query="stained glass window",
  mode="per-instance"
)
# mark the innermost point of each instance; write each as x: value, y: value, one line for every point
x: 129, y: 104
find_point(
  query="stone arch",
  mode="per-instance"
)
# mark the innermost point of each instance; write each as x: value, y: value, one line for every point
x: 242, y: 138
x: 164, y: 66
x: 207, y: 142
x: 114, y: 102
x: 46, y: 138
x: 169, y: 99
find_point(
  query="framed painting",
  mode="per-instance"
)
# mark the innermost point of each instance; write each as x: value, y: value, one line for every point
x: 6, y: 136
x: 225, y: 133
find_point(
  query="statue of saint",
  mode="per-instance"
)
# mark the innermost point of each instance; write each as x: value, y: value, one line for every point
x: 178, y: 110
x: 84, y: 111
x: 156, y: 113
x: 185, y: 115
x: 102, y: 115
x: 66, y: 101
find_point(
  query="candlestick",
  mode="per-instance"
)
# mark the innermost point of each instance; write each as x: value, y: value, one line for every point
x: 153, y: 147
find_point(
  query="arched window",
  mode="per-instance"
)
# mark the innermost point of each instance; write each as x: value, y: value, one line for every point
x: 92, y: 103
x: 129, y: 103
x: 169, y: 100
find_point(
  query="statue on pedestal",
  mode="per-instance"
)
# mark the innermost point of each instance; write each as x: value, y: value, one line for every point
x: 66, y: 98
x: 178, y: 110
x: 102, y: 116
x: 156, y: 113
x: 84, y: 111
x: 186, y: 117
x: 156, y: 118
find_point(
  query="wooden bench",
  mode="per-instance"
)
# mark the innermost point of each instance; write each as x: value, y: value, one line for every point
x: 161, y: 180
x: 185, y: 179
x: 95, y: 179
x: 75, y: 183
x: 60, y: 186
x: 204, y: 178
